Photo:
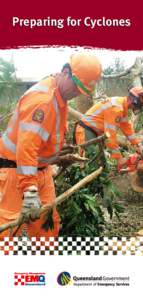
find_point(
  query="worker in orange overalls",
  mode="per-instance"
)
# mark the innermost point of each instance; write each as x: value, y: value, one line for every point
x: 106, y: 117
x: 34, y: 134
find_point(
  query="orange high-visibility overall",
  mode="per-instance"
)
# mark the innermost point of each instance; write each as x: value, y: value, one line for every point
x: 106, y: 117
x: 34, y: 134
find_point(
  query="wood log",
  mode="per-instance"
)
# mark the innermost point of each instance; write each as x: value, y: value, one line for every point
x: 58, y: 200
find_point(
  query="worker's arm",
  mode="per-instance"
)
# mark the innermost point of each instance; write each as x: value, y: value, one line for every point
x: 128, y: 130
x: 35, y: 127
x: 110, y: 129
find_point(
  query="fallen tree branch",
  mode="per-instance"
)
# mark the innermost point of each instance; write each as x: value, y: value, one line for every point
x: 61, y: 155
x: 84, y: 145
x: 58, y: 200
x: 69, y: 158
x: 100, y: 138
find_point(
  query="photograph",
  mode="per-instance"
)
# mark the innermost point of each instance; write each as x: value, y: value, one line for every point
x: 71, y: 143
x: 71, y: 150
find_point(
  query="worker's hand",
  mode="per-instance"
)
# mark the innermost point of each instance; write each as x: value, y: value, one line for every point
x: 122, y: 163
x: 31, y: 205
x: 139, y: 149
x: 55, y: 170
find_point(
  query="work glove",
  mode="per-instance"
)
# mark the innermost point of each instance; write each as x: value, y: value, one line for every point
x: 139, y: 149
x: 31, y: 206
x: 122, y: 163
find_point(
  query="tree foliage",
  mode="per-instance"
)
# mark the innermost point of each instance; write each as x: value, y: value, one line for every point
x: 8, y: 82
x: 8, y: 91
x: 116, y: 67
x: 83, y: 214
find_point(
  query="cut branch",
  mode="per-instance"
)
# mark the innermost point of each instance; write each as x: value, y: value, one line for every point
x: 100, y: 138
x: 61, y: 156
x: 58, y: 200
x: 69, y: 158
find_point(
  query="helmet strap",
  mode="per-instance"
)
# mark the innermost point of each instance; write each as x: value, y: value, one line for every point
x: 81, y: 85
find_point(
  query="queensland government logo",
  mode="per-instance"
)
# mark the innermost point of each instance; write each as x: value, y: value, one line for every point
x: 29, y: 279
x: 64, y: 278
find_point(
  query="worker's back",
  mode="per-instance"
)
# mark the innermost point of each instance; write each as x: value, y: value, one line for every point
x: 96, y: 115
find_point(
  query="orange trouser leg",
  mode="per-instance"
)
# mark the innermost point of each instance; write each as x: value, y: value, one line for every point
x: 47, y: 195
x: 10, y: 198
x: 11, y: 202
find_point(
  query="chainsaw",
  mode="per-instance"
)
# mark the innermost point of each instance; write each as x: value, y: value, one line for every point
x: 134, y: 166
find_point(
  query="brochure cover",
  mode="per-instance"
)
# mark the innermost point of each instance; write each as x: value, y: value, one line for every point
x: 71, y: 149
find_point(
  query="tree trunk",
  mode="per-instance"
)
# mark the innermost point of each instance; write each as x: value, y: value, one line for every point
x: 135, y: 72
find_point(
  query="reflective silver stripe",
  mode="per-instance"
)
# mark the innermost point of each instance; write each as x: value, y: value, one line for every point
x: 8, y: 143
x: 132, y: 137
x: 9, y: 130
x: 36, y: 129
x: 107, y: 105
x: 114, y: 101
x: 90, y: 121
x: 37, y: 88
x: 26, y: 170
x: 15, y: 116
x: 124, y: 119
x: 102, y: 108
x: 110, y: 126
x: 58, y: 119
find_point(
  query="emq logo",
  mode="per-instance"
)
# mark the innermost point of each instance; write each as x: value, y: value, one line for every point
x: 64, y: 278
x: 29, y: 279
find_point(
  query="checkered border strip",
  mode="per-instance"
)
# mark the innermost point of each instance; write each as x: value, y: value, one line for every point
x: 72, y: 246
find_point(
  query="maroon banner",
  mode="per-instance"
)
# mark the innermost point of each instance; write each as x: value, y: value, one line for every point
x: 103, y: 24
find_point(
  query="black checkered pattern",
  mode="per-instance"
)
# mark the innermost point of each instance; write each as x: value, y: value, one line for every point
x: 72, y: 246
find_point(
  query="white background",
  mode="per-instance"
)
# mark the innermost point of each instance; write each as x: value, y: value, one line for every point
x: 77, y: 266
x: 34, y: 64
